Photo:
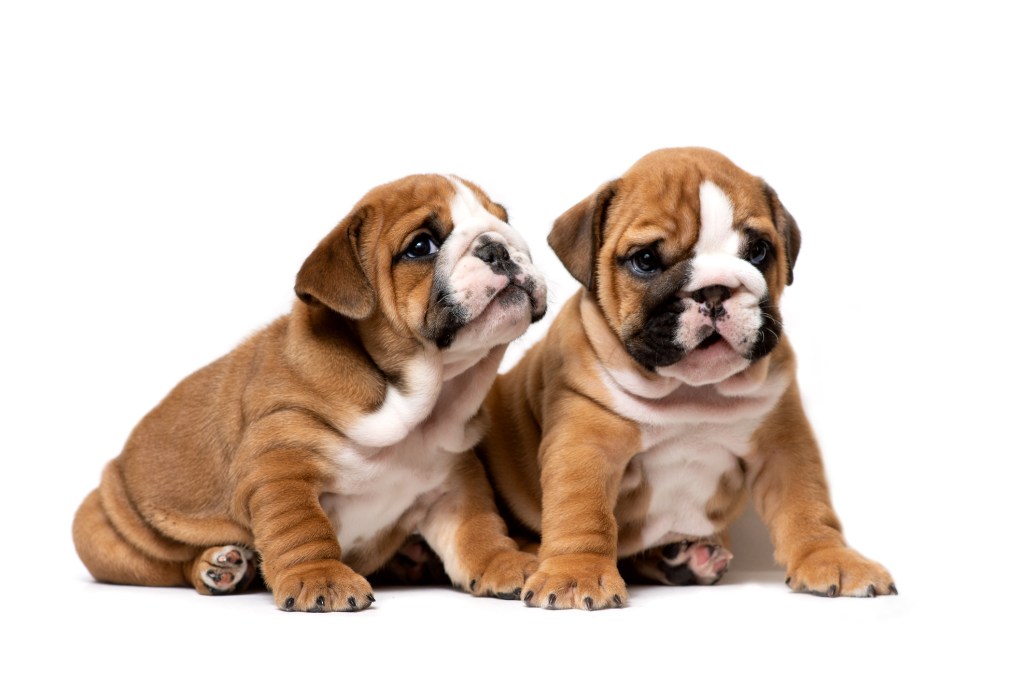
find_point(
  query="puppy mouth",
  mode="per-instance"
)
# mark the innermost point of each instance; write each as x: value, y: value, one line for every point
x: 710, y: 340
x: 515, y: 293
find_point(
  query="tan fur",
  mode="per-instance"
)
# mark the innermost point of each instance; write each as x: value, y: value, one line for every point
x: 563, y: 459
x: 241, y: 451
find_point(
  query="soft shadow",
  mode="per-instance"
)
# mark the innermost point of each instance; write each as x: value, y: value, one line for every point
x: 750, y: 544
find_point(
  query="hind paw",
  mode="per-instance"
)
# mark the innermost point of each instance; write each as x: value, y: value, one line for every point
x: 223, y: 570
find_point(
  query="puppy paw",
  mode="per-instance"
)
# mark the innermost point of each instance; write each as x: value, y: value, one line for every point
x: 223, y: 570
x: 693, y: 563
x: 576, y: 581
x: 320, y: 586
x: 839, y: 572
x: 504, y: 576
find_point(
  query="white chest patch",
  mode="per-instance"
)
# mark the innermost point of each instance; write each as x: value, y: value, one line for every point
x: 691, y: 438
x: 396, y: 458
x: 376, y: 487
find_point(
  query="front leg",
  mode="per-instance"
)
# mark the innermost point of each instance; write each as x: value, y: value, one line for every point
x: 299, y: 550
x: 582, y: 458
x: 790, y: 493
x: 470, y: 537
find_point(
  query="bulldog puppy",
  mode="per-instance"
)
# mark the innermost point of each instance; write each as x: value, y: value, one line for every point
x: 664, y: 392
x: 332, y: 435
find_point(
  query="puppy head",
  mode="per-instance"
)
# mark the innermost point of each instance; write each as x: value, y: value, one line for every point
x: 687, y: 256
x: 434, y: 258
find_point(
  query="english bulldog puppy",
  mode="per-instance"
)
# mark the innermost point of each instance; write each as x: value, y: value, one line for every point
x: 328, y: 438
x: 664, y: 392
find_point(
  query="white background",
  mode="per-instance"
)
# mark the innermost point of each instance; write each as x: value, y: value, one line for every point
x: 165, y: 170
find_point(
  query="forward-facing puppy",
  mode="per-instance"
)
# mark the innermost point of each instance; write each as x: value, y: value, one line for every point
x: 664, y: 392
x: 326, y: 439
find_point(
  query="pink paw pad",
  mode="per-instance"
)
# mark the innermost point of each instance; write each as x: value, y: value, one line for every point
x: 693, y: 563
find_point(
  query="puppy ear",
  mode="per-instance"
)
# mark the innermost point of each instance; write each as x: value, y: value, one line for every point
x: 577, y: 234
x: 334, y: 274
x: 786, y: 225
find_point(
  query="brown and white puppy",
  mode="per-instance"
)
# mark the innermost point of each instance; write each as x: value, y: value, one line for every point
x: 664, y: 392
x: 326, y: 439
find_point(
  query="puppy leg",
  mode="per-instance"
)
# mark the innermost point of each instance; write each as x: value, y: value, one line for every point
x: 300, y: 553
x: 223, y: 570
x: 689, y: 562
x: 465, y: 530
x: 117, y: 546
x: 582, y: 462
x: 791, y: 495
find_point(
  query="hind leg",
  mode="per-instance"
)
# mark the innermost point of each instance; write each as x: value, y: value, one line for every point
x: 110, y: 558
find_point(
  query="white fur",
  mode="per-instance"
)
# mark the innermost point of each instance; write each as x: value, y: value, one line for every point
x: 400, y: 411
x: 717, y: 252
x: 716, y: 216
x: 376, y: 485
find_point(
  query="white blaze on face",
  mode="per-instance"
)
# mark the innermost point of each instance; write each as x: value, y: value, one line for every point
x: 717, y: 252
x: 473, y: 284
x: 718, y: 261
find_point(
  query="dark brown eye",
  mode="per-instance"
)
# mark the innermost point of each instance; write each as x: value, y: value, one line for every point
x: 759, y: 253
x: 645, y: 262
x: 422, y: 245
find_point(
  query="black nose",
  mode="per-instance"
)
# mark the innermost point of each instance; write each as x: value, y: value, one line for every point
x: 492, y: 253
x: 712, y: 296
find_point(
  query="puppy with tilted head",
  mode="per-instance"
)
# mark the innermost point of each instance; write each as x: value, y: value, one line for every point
x: 317, y: 447
x: 664, y: 393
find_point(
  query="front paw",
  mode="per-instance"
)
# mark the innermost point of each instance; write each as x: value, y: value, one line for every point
x: 504, y: 575
x: 839, y: 572
x: 576, y: 581
x: 319, y: 586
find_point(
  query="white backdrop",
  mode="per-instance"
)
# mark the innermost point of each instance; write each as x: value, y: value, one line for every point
x: 164, y: 170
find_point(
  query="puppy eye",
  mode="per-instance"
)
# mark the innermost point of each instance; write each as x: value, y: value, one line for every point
x: 759, y: 252
x: 645, y: 262
x: 422, y: 245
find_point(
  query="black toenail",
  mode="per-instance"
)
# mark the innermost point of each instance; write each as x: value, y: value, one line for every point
x: 833, y: 590
x: 352, y: 602
x: 589, y: 602
x: 551, y: 599
x: 472, y: 584
x: 871, y: 590
x: 517, y: 592
x: 892, y: 589
x: 789, y: 579
x: 617, y: 599
x: 320, y: 601
x: 289, y: 602
x: 528, y: 597
x: 671, y: 551
x: 370, y: 598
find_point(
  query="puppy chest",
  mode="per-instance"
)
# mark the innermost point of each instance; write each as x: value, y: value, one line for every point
x: 687, y: 476
x: 375, y: 488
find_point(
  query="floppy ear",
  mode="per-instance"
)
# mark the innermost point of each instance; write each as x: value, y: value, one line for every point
x: 334, y: 274
x: 577, y: 233
x: 786, y: 225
